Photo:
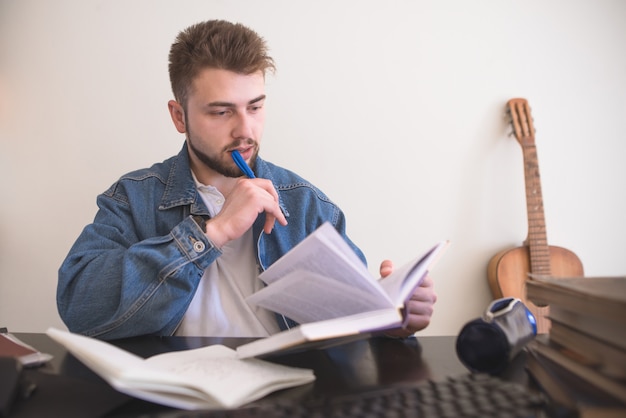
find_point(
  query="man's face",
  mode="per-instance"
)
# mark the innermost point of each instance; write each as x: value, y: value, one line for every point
x: 224, y: 112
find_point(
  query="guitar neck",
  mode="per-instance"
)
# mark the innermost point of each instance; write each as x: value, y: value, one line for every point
x: 537, y: 240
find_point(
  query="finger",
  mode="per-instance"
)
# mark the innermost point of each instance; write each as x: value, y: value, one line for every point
x: 269, y: 223
x: 427, y: 282
x: 424, y: 294
x: 426, y: 285
x: 417, y: 323
x: 273, y: 211
x: 419, y: 315
x: 271, y: 219
x: 280, y: 216
x: 268, y: 186
x: 419, y: 308
x: 273, y: 214
x: 386, y: 268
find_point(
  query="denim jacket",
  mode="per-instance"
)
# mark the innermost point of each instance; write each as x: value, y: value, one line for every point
x: 136, y: 268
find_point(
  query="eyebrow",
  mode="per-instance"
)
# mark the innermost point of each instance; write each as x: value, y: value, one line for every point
x: 229, y: 104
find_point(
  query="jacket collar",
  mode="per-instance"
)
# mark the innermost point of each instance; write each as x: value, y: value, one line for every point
x: 180, y: 189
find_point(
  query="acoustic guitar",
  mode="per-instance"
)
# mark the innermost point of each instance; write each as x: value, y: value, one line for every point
x: 509, y: 270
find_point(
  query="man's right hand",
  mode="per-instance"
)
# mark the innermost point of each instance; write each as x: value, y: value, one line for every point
x: 246, y: 201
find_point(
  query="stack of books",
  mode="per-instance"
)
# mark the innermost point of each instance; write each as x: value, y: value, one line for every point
x: 581, y: 362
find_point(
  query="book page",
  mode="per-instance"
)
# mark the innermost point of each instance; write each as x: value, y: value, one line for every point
x: 400, y: 284
x: 104, y: 359
x: 326, y: 253
x: 217, y: 371
x: 308, y: 297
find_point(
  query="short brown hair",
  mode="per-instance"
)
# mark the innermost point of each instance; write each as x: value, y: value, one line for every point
x: 215, y: 44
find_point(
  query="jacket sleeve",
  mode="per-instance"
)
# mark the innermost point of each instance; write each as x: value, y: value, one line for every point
x: 115, y: 283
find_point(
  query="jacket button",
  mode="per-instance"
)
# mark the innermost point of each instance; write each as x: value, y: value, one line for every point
x: 198, y: 246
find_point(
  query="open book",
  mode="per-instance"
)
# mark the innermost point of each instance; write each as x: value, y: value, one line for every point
x: 202, y: 378
x: 324, y: 286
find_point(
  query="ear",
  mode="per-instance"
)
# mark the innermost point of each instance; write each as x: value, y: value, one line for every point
x: 178, y: 115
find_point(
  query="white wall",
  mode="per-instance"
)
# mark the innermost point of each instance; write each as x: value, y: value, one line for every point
x: 395, y: 109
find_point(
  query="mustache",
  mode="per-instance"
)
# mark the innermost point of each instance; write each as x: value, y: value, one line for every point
x: 239, y: 143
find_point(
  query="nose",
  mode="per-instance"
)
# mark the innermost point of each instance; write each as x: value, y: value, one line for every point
x: 243, y: 126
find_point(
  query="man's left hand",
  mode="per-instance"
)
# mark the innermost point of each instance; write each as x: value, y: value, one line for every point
x: 420, y: 307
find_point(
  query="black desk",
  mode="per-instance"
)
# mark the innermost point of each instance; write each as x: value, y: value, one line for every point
x: 342, y: 369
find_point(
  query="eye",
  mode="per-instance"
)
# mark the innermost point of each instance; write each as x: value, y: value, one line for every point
x: 220, y: 112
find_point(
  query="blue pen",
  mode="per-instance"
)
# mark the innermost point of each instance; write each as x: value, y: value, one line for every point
x: 241, y: 163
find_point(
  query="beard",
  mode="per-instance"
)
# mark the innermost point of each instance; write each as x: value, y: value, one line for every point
x: 219, y: 163
x: 226, y: 168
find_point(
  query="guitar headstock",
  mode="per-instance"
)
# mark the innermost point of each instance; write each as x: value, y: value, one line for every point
x: 521, y: 121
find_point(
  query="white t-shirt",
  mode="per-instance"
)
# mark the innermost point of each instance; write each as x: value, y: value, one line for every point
x: 219, y: 309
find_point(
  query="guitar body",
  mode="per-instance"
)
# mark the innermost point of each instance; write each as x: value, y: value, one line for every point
x: 509, y: 270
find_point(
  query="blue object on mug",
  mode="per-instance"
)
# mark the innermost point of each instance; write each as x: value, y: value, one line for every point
x: 487, y: 344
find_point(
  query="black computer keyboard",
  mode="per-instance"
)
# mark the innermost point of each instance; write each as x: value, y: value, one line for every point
x: 471, y: 395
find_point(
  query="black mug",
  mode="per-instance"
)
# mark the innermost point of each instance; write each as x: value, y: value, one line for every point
x: 487, y: 344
